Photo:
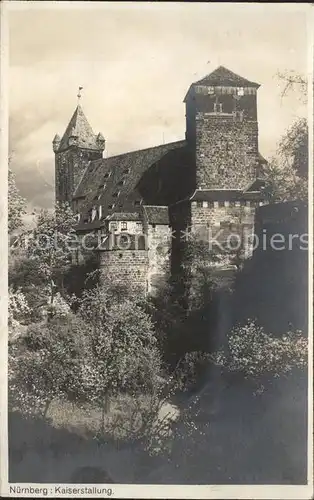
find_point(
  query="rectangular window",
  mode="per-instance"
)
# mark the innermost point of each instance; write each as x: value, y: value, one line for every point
x: 124, y: 226
x: 240, y: 91
x: 211, y: 90
x: 217, y: 107
x: 113, y: 226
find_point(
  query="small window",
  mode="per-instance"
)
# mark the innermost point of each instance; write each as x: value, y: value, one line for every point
x: 211, y: 90
x: 113, y: 226
x: 124, y: 226
x: 139, y: 226
x: 240, y: 91
x: 217, y: 107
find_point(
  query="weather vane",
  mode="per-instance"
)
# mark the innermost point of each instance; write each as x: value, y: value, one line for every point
x: 79, y: 95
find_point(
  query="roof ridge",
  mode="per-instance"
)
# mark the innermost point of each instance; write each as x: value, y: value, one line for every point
x: 139, y: 150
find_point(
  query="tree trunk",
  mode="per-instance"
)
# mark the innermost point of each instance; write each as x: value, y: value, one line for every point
x: 107, y: 403
x: 105, y: 408
x: 46, y: 408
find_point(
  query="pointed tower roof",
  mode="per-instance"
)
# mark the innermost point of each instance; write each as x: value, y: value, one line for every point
x: 223, y: 76
x: 80, y: 131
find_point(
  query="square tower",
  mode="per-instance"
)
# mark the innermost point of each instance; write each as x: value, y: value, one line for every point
x: 222, y: 130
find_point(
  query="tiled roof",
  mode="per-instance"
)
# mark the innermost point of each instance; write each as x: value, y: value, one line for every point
x: 223, y: 76
x: 112, y: 182
x: 80, y: 128
x: 156, y: 214
x: 125, y: 216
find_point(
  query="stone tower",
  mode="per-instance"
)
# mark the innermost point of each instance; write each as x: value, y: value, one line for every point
x: 78, y: 146
x: 222, y: 130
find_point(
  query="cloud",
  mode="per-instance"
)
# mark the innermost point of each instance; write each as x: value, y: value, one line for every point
x: 136, y: 63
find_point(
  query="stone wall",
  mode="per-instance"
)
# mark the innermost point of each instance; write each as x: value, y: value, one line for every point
x: 126, y: 268
x: 226, y: 151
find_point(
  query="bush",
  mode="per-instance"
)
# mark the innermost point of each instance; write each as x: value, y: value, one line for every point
x: 259, y: 356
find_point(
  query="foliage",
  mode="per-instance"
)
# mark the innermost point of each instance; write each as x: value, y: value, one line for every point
x: 122, y: 353
x: 283, y: 184
x: 19, y: 309
x: 257, y: 355
x: 49, y: 367
x: 287, y: 174
x: 49, y: 246
x: 16, y: 204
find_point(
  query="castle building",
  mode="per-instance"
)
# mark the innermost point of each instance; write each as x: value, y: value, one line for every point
x: 139, y: 203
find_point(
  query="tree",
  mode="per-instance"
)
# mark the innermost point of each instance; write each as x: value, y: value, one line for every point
x: 287, y: 174
x: 16, y: 204
x: 122, y: 354
x: 50, y: 247
x: 50, y: 365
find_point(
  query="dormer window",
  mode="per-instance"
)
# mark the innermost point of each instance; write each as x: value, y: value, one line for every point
x: 217, y: 107
x: 240, y: 91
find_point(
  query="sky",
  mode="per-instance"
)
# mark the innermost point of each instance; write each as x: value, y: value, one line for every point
x: 135, y: 63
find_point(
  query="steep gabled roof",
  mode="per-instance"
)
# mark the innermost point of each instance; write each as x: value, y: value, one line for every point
x: 112, y: 182
x: 80, y: 128
x: 223, y: 76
